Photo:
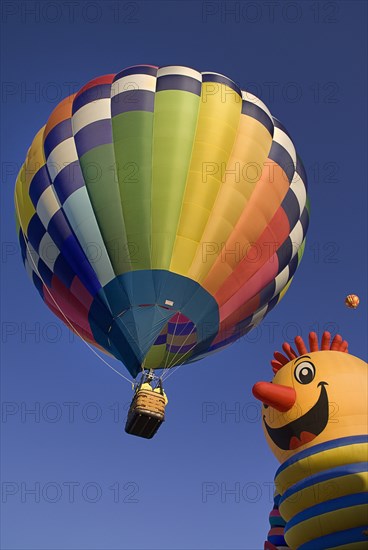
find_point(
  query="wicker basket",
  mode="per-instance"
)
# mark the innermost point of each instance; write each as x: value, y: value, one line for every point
x: 146, y: 414
x: 149, y: 401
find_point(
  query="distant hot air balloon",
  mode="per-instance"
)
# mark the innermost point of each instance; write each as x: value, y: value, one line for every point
x: 315, y: 419
x: 352, y: 301
x: 162, y: 213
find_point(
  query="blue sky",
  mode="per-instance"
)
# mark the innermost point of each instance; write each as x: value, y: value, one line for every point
x: 205, y: 481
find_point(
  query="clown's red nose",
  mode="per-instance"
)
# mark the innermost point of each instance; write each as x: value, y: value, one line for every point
x: 281, y: 398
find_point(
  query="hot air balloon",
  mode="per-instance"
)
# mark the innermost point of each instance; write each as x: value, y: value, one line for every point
x: 162, y: 214
x: 352, y: 301
x: 315, y: 421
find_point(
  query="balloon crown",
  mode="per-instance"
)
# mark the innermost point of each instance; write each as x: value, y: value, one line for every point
x: 337, y: 344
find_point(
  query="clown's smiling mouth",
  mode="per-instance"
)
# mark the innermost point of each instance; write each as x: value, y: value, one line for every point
x: 304, y: 429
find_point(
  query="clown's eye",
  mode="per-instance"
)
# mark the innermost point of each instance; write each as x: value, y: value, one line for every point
x: 305, y: 372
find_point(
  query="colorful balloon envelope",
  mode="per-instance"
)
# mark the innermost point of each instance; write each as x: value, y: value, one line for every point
x: 162, y: 213
x: 352, y: 301
x: 315, y: 420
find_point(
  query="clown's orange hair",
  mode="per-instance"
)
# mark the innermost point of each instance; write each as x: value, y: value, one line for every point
x: 337, y: 344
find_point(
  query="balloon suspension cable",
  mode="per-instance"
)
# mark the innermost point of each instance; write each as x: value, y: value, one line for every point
x: 172, y: 340
x: 57, y: 305
x: 142, y: 366
x: 171, y: 367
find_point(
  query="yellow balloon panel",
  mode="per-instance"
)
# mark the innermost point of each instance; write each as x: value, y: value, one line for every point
x: 215, y: 135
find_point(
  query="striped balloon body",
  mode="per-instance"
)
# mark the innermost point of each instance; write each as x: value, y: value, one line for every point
x: 275, y: 538
x: 324, y: 495
x: 352, y: 301
x: 162, y: 213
